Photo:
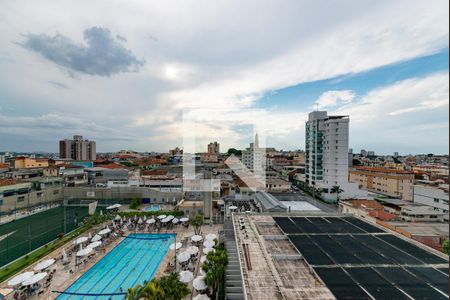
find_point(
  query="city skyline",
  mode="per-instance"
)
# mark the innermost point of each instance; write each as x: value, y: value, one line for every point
x: 365, y: 60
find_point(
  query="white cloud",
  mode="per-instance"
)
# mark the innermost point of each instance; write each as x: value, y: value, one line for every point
x: 210, y: 54
x: 333, y: 98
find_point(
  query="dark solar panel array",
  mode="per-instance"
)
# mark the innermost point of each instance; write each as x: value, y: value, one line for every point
x: 337, y: 248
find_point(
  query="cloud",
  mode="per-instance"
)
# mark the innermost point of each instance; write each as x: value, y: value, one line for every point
x: 58, y: 84
x: 103, y: 55
x: 333, y: 98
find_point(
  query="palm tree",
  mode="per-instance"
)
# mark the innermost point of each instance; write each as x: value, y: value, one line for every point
x: 153, y: 290
x: 215, y: 269
x: 134, y: 293
x: 173, y: 288
x: 336, y: 190
x: 197, y: 222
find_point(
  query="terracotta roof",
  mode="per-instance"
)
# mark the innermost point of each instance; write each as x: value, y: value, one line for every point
x: 5, y: 182
x: 367, y: 203
x: 155, y: 172
x: 2, y: 166
x: 113, y: 166
x: 382, y: 170
x: 382, y: 215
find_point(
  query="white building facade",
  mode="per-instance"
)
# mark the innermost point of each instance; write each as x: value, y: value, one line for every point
x: 432, y: 196
x: 254, y: 158
x: 326, y: 144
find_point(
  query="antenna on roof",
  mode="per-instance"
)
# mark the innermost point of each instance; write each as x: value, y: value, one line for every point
x: 317, y: 106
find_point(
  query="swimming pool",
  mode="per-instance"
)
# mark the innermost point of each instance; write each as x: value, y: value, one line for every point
x: 153, y: 207
x: 132, y: 261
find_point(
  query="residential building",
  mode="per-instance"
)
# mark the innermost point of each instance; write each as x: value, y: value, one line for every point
x: 22, y: 162
x: 2, y: 159
x: 390, y: 182
x: 254, y: 158
x: 214, y: 148
x: 363, y: 152
x: 434, y: 196
x: 176, y: 151
x: 326, y: 142
x: 420, y: 213
x: 277, y: 185
x: 77, y: 149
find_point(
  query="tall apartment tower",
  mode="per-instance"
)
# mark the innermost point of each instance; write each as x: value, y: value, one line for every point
x: 214, y: 148
x: 77, y: 149
x: 254, y: 158
x: 326, y: 143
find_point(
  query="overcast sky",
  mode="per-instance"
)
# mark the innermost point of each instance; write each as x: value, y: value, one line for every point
x: 135, y: 74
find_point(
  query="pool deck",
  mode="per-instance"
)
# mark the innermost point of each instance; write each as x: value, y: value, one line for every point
x: 62, y: 278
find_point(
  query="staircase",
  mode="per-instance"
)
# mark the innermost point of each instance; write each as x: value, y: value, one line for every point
x: 233, y: 278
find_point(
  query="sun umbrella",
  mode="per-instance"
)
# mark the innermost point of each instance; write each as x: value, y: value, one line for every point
x: 196, y: 238
x: 211, y: 236
x: 89, y: 235
x: 184, y: 256
x: 207, y: 250
x: 233, y: 207
x: 80, y: 240
x: 150, y: 221
x: 203, y: 259
x: 178, y: 246
x: 44, y: 264
x: 35, y: 278
x: 96, y: 238
x: 201, y: 297
x: 20, y: 278
x: 124, y: 218
x: 117, y: 205
x: 192, y: 250
x: 175, y: 221
x: 104, y: 231
x: 208, y: 244
x: 135, y: 217
x: 94, y: 244
x: 64, y: 256
x: 140, y: 221
x: 202, y: 273
x: 84, y: 252
x: 118, y: 218
x: 186, y: 276
x: 199, y: 283
x: 160, y: 217
x: 145, y: 218
x: 165, y: 220
x: 170, y: 217
x: 184, y: 219
x: 111, y: 207
x: 101, y: 212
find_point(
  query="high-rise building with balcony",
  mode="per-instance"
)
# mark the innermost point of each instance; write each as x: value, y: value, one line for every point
x: 326, y: 144
x: 77, y: 149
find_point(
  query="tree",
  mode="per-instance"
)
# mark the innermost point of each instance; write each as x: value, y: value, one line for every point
x: 214, y: 268
x: 445, y: 247
x: 173, y: 288
x: 197, y: 223
x: 135, y: 203
x: 134, y: 293
x: 356, y: 162
x: 234, y: 151
x: 336, y: 190
x: 153, y: 290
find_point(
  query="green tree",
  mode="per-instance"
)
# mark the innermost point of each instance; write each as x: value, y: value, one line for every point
x: 234, y: 151
x: 445, y: 247
x: 153, y: 290
x: 336, y: 190
x: 135, y: 203
x: 356, y: 162
x: 197, y: 223
x: 173, y: 288
x: 214, y: 268
x: 134, y: 293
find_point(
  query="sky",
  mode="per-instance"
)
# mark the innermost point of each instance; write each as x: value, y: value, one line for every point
x: 151, y: 75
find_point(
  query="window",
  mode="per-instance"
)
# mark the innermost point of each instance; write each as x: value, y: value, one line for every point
x: 20, y: 198
x: 55, y: 192
x: 436, y: 200
x: 39, y: 195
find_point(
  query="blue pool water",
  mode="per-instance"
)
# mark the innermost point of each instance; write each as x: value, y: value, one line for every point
x: 153, y: 207
x: 132, y: 261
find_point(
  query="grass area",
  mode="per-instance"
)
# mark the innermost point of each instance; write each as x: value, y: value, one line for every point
x: 34, y: 256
